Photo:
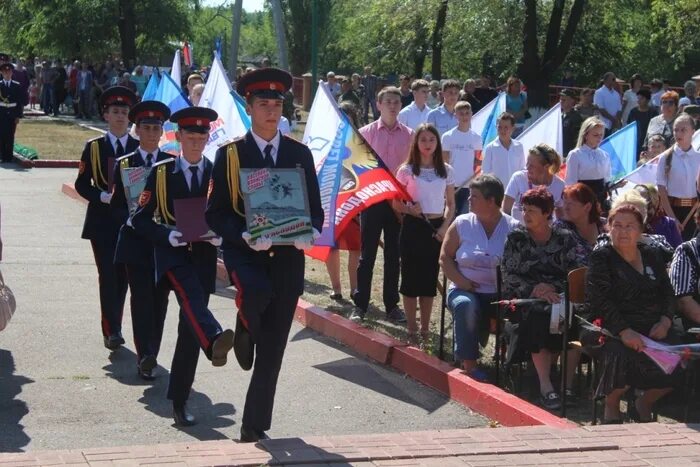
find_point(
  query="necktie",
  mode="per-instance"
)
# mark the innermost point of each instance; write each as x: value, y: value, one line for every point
x: 149, y: 160
x: 269, y: 162
x: 120, y: 149
x: 194, y: 183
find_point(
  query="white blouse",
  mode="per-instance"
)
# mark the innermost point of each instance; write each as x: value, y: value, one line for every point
x: 519, y: 184
x: 426, y: 188
x: 586, y: 163
x: 478, y: 255
x: 681, y: 179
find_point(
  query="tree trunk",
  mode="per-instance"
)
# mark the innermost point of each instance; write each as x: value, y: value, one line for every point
x: 127, y: 30
x: 536, y: 72
x: 436, y: 69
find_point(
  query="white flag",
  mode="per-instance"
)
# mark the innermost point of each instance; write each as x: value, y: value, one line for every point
x: 175, y: 71
x: 547, y: 129
x: 217, y: 95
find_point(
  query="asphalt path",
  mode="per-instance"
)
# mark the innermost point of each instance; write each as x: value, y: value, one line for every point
x: 61, y: 389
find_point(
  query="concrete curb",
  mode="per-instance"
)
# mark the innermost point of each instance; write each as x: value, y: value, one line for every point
x: 486, y: 399
x: 45, y: 163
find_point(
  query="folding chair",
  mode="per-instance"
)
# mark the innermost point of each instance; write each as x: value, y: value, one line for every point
x: 575, y: 292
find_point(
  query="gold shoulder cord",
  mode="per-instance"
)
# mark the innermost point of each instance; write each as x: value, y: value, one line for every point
x: 233, y: 175
x: 162, y: 195
x: 97, y: 176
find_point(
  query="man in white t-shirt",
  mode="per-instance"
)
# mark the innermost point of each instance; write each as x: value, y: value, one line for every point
x: 609, y: 103
x: 459, y: 149
x: 417, y: 111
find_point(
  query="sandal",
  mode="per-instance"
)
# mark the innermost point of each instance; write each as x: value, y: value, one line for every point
x: 412, y: 338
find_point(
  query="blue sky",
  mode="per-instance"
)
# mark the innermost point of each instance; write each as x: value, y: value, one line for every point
x: 248, y: 5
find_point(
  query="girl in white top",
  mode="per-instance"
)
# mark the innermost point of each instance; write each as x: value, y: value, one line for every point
x: 543, y: 164
x: 629, y: 98
x: 677, y: 176
x: 589, y: 164
x: 503, y: 156
x: 430, y: 183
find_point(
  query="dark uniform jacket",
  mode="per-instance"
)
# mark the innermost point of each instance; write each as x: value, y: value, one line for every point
x: 570, y: 126
x: 201, y: 255
x: 92, y: 181
x: 132, y: 248
x: 227, y: 223
x: 9, y: 96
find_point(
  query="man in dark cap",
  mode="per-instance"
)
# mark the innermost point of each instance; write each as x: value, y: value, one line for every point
x: 189, y: 266
x: 571, y: 120
x: 95, y: 183
x: 149, y: 299
x: 269, y: 279
x: 10, y: 111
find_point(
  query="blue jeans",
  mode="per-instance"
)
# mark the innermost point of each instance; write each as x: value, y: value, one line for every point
x: 467, y: 309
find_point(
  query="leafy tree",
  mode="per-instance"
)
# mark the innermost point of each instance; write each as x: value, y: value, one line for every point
x: 297, y: 22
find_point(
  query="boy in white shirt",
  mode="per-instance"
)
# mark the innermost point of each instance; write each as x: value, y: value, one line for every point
x: 459, y: 148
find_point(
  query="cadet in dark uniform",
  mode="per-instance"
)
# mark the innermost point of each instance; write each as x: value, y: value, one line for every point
x: 93, y: 184
x: 190, y: 268
x: 149, y: 299
x: 571, y: 120
x: 10, y: 111
x: 269, y: 279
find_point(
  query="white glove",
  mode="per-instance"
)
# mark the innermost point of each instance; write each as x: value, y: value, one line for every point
x: 306, y: 245
x: 260, y: 244
x: 105, y: 197
x: 173, y: 239
x: 216, y: 241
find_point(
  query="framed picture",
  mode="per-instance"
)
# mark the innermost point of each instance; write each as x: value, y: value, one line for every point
x: 134, y: 180
x: 276, y: 204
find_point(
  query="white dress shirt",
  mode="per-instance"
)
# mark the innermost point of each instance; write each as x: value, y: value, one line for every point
x: 610, y: 100
x: 412, y: 116
x: 185, y: 167
x: 680, y: 182
x: 586, y: 163
x: 502, y: 162
x: 144, y: 155
x: 262, y: 143
x: 113, y: 141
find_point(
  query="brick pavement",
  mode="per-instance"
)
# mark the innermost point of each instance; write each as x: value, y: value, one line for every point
x: 611, y: 445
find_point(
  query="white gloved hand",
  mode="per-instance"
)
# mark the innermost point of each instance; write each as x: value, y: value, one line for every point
x: 105, y: 197
x: 259, y: 244
x: 216, y: 241
x: 173, y: 239
x: 305, y: 245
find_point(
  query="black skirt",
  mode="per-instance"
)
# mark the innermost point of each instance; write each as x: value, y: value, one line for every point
x: 681, y: 213
x: 527, y: 332
x: 420, y: 255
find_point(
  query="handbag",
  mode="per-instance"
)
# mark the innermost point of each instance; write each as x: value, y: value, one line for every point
x: 7, y: 303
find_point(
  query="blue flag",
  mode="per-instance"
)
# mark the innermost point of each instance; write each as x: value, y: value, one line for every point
x: 490, y: 131
x: 240, y: 105
x: 621, y: 146
x: 150, y: 93
x: 170, y: 94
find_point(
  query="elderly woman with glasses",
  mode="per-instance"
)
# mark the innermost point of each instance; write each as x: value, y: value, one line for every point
x: 662, y: 124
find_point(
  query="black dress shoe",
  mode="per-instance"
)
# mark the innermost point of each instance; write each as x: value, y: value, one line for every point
x: 146, y: 367
x: 114, y: 341
x: 221, y: 347
x: 182, y: 416
x: 243, y: 346
x: 249, y: 435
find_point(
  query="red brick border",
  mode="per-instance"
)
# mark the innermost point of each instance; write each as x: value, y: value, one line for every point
x: 45, y: 163
x: 485, y: 399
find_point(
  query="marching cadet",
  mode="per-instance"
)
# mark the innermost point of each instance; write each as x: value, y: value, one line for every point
x: 94, y: 184
x: 190, y: 268
x: 269, y: 279
x: 10, y: 109
x: 149, y: 299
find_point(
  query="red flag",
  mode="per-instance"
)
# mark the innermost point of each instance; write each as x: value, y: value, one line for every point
x: 187, y: 54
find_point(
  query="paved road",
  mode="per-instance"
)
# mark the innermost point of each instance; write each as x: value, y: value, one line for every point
x: 59, y: 388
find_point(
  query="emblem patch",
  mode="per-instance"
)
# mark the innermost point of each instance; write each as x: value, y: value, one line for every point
x: 144, y: 198
x: 81, y: 167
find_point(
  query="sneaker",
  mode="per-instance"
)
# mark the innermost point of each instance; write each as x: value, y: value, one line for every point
x: 396, y: 315
x: 551, y: 401
x: 357, y: 315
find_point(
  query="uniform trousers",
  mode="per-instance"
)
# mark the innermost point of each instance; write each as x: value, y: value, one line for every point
x: 266, y: 300
x: 7, y: 138
x: 112, y: 284
x: 149, y: 304
x: 373, y: 220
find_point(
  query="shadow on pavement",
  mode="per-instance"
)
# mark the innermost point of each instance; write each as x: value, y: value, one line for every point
x: 296, y: 451
x: 12, y: 435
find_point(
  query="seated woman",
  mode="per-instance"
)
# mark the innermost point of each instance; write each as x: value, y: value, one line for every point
x: 685, y: 275
x: 470, y: 253
x: 536, y: 261
x: 628, y: 284
x: 657, y: 222
x: 581, y: 216
x: 543, y: 164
